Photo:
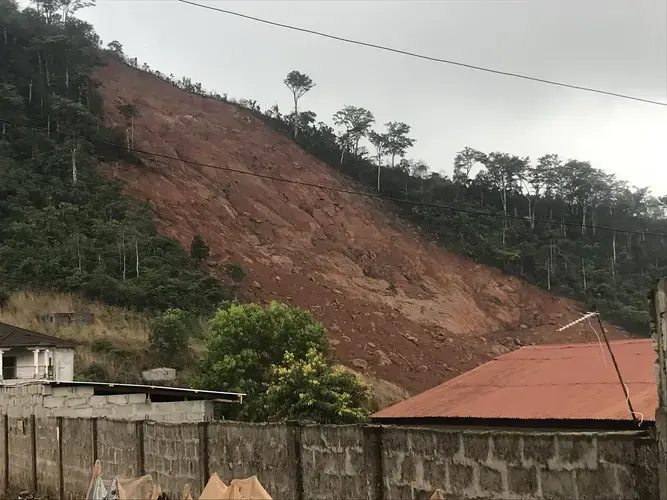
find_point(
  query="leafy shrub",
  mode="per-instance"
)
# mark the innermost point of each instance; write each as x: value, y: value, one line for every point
x: 236, y: 273
x: 266, y: 353
x: 169, y: 335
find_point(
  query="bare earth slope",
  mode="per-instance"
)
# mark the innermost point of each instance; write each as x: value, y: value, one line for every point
x: 396, y: 307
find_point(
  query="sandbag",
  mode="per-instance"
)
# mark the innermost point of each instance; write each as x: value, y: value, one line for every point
x: 140, y: 488
x: 246, y: 489
x: 214, y: 490
x: 438, y: 495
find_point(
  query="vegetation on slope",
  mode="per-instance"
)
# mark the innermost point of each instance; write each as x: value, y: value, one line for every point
x: 63, y: 224
x: 498, y: 203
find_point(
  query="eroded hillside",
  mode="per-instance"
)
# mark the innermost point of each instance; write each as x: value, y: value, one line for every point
x: 396, y: 306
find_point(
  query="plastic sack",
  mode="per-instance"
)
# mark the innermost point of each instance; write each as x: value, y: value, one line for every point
x: 438, y: 495
x: 98, y: 492
x: 214, y: 490
x: 246, y: 489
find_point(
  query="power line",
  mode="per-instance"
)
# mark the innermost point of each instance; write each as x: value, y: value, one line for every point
x: 422, y: 56
x: 469, y: 211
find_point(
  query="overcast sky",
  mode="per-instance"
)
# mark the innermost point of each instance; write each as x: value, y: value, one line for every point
x: 615, y: 45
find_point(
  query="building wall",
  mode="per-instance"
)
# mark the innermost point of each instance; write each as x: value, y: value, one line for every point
x: 333, y: 462
x: 63, y: 363
x: 80, y: 402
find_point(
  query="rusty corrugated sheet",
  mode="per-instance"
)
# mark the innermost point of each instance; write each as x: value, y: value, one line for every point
x: 575, y: 381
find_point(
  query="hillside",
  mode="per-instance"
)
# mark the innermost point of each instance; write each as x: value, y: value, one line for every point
x: 396, y: 306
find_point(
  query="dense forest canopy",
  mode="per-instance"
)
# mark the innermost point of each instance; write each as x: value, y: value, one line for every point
x: 63, y: 224
x: 48, y: 82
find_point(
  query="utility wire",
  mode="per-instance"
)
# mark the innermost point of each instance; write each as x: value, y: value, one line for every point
x: 422, y: 56
x: 469, y: 211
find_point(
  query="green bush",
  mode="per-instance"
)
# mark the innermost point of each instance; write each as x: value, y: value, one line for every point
x: 266, y: 354
x: 169, y: 335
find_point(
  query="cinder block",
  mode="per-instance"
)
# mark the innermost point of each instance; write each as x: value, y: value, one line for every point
x: 98, y: 401
x: 77, y: 402
x: 118, y: 399
x: 83, y: 391
x: 136, y: 398
x: 126, y: 412
x: 73, y: 412
x: 54, y: 402
x: 522, y: 481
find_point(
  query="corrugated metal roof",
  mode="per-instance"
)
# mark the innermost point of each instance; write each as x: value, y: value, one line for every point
x: 177, y: 393
x: 574, y: 381
x: 13, y: 336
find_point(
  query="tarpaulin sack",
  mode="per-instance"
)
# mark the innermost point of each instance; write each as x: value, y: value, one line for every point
x: 246, y: 489
x: 214, y: 489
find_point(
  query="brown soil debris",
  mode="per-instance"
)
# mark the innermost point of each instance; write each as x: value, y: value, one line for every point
x: 368, y: 277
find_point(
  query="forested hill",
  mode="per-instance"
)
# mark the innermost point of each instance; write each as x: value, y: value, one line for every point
x: 63, y: 224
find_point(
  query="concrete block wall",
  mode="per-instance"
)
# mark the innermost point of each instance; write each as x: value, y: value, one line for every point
x: 331, y: 462
x: 173, y: 455
x: 119, y: 447
x: 80, y: 402
x: 340, y: 459
x: 78, y: 445
x: 269, y: 451
x: 47, y: 444
x: 516, y: 465
x: 20, y: 451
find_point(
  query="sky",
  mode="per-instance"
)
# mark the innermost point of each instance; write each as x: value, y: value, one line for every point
x: 615, y: 45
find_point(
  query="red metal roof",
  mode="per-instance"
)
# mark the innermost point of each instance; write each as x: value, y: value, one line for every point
x: 574, y: 381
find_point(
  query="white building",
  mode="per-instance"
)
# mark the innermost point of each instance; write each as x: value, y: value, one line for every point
x: 26, y: 355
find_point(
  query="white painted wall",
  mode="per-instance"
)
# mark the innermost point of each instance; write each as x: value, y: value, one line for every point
x: 25, y: 364
x: 64, y: 364
x: 62, y: 360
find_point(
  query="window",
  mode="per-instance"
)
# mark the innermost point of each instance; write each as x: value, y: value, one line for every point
x: 9, y: 367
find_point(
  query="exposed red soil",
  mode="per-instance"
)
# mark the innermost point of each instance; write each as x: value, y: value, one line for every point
x: 396, y: 306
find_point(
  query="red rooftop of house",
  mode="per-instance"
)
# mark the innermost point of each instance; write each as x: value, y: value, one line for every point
x: 559, y: 382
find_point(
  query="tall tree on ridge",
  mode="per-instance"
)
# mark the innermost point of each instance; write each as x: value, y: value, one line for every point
x: 299, y: 84
x: 356, y: 122
x: 398, y: 141
x: 380, y: 142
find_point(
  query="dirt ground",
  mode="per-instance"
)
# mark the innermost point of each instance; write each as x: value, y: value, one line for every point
x: 397, y: 307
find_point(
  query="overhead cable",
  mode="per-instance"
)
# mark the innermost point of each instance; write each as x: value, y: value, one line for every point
x: 422, y: 56
x: 439, y: 206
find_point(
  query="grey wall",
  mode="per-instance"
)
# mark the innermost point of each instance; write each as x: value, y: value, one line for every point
x: 43, y: 400
x: 55, y: 456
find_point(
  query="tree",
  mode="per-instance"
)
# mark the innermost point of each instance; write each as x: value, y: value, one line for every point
x: 419, y: 169
x: 48, y: 9
x: 199, y: 250
x: 299, y: 84
x: 463, y: 163
x: 247, y: 343
x: 129, y: 111
x: 310, y: 390
x: 69, y: 7
x: 10, y: 104
x: 398, y: 141
x: 117, y: 48
x: 356, y: 122
x: 168, y: 335
x: 380, y: 141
